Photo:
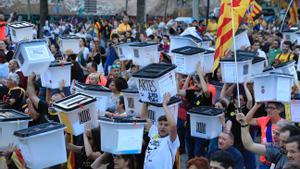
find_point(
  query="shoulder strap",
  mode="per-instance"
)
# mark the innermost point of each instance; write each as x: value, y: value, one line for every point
x: 269, y: 131
x: 289, y: 57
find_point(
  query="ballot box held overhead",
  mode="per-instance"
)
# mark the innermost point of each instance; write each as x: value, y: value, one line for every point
x: 272, y: 86
x: 102, y: 95
x: 205, y: 122
x: 125, y: 52
x: 68, y: 42
x: 286, y: 68
x: 121, y: 135
x: 186, y: 59
x: 56, y: 73
x: 229, y: 72
x: 43, y: 145
x: 154, y: 81
x: 33, y: 56
x: 133, y: 106
x: 145, y: 53
x: 156, y: 110
x: 186, y: 40
x: 21, y: 31
x: 75, y: 111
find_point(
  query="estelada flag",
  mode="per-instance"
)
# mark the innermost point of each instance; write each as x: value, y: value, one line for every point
x: 255, y: 10
x: 224, y: 31
x: 293, y: 13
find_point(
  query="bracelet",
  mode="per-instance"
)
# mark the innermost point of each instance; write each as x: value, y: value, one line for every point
x: 245, y: 125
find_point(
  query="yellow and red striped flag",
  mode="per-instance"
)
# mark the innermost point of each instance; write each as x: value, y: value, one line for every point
x: 71, y: 157
x: 293, y: 13
x: 224, y: 32
x: 255, y: 9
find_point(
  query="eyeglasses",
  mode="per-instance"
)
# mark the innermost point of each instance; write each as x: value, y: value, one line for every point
x: 276, y: 133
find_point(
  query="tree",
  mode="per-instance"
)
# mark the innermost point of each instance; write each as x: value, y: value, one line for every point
x: 141, y: 15
x: 43, y: 16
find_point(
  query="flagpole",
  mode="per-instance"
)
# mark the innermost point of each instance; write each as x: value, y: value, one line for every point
x: 291, y: 2
x: 235, y: 58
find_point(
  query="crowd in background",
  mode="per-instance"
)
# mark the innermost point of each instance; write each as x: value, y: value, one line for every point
x: 251, y: 130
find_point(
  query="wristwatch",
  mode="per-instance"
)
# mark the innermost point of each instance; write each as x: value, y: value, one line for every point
x: 244, y: 125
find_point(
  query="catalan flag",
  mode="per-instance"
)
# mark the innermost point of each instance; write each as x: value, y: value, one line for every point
x: 255, y: 9
x: 224, y: 31
x: 293, y: 13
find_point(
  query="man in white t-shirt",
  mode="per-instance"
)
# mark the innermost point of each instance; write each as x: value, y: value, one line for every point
x: 164, y: 142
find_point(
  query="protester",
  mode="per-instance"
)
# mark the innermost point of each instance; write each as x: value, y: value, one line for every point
x: 273, y: 153
x: 225, y: 143
x: 286, y: 54
x: 99, y: 65
x: 266, y: 124
x: 164, y: 141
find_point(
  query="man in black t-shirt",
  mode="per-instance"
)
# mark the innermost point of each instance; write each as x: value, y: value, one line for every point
x: 196, y: 98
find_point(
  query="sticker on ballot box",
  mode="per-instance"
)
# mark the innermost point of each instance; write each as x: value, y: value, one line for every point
x: 37, y: 52
x: 148, y: 90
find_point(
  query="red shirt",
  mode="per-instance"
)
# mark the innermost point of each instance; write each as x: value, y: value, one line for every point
x: 2, y: 30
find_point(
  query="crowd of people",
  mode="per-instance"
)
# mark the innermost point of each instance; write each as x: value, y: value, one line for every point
x: 250, y: 129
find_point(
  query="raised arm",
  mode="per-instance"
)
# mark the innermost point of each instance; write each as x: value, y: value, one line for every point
x: 31, y: 91
x: 181, y: 91
x: 249, y: 117
x: 101, y: 161
x: 248, y: 143
x: 223, y: 91
x: 170, y: 118
x: 248, y: 95
x: 203, y: 83
x: 88, y: 148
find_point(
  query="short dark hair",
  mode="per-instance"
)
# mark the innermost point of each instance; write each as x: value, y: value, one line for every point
x: 115, y: 35
x: 151, y: 37
x: 84, y: 41
x: 73, y: 56
x: 222, y: 157
x: 56, y: 46
x: 121, y: 101
x: 278, y: 105
x: 94, y: 65
x: 279, y: 34
x: 294, y: 131
x: 120, y: 83
x: 294, y: 139
x: 162, y: 118
x: 288, y: 43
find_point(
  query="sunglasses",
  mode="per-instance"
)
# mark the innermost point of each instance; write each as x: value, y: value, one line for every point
x: 116, y: 156
x: 115, y: 66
